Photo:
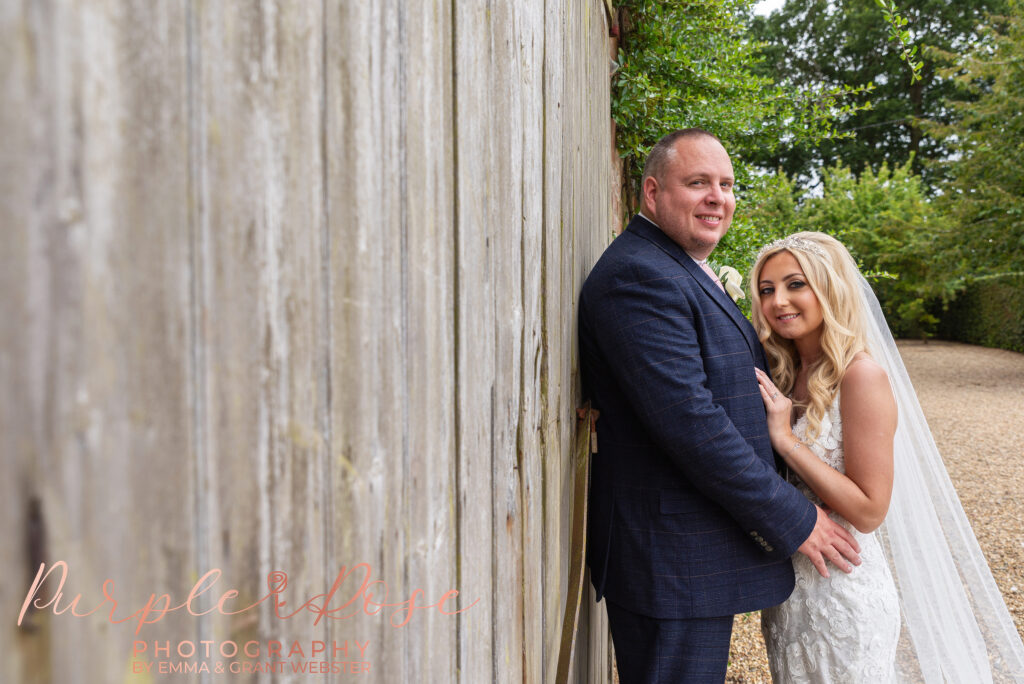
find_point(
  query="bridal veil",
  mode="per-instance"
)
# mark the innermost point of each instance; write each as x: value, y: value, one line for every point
x: 955, y: 626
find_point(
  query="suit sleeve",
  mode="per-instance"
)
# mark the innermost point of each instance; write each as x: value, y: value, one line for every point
x: 645, y: 331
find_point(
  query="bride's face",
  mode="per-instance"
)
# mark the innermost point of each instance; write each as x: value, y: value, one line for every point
x: 787, y: 302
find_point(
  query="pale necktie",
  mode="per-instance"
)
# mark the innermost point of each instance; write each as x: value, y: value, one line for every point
x: 711, y: 274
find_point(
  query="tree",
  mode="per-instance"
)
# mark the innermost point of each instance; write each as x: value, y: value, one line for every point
x: 844, y: 42
x: 691, y: 63
x: 985, y: 192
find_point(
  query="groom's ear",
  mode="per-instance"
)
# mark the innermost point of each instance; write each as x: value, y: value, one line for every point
x: 649, y: 191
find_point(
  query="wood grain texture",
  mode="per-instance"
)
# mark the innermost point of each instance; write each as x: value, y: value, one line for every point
x: 259, y: 299
x: 429, y: 301
x: 106, y: 286
x: 476, y: 400
x: 28, y: 212
x: 558, y: 394
x: 585, y: 207
x: 292, y: 286
x: 368, y: 364
x: 528, y: 60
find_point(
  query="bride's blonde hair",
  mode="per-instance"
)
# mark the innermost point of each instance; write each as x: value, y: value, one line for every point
x: 832, y: 275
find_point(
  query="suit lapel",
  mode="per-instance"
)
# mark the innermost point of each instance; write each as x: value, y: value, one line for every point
x: 651, y: 232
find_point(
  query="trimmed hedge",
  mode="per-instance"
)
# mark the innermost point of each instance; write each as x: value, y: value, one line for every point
x: 989, y: 312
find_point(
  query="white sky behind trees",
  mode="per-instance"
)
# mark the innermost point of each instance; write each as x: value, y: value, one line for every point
x: 768, y: 6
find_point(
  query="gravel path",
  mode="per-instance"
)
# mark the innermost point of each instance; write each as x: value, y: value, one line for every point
x: 973, y: 398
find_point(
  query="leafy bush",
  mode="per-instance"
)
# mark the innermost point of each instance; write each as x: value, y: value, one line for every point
x: 989, y: 311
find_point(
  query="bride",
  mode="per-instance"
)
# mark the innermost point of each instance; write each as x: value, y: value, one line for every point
x: 922, y: 606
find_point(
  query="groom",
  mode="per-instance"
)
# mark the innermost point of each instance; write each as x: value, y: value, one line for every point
x: 689, y: 521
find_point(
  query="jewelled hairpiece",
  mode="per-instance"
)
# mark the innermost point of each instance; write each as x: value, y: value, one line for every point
x: 791, y: 242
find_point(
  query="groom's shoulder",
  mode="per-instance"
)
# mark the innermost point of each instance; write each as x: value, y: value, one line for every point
x: 632, y: 257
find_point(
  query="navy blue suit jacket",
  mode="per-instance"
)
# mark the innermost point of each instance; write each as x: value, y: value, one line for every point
x: 687, y: 514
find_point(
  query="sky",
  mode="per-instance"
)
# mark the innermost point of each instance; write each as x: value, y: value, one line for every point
x: 768, y: 6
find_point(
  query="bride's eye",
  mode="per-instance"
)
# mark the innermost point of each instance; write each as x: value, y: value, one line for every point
x: 795, y: 284
x: 765, y: 291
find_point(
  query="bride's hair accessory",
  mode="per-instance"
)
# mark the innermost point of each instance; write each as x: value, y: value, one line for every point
x: 791, y: 242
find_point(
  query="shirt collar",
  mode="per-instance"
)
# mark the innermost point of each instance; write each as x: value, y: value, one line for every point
x: 699, y: 262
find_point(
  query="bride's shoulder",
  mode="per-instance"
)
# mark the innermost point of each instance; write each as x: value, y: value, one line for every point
x: 865, y: 381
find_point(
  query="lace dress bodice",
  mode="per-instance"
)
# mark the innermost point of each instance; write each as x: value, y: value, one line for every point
x: 843, y: 628
x: 828, y: 447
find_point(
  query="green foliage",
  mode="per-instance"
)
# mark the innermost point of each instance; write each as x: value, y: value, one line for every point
x: 840, y: 42
x: 985, y: 194
x: 989, y: 311
x: 887, y: 223
x: 767, y: 212
x: 687, y: 63
x: 898, y: 33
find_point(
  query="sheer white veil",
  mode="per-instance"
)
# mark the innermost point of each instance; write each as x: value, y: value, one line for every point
x: 955, y: 625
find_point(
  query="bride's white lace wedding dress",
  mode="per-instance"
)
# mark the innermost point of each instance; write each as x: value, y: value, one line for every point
x: 844, y: 628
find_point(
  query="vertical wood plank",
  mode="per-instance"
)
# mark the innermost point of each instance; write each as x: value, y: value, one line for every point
x: 27, y: 218
x: 479, y: 658
x: 585, y: 206
x: 504, y: 225
x: 557, y: 335
x: 260, y: 297
x: 111, y: 297
x: 429, y: 323
x: 368, y: 373
x: 528, y: 59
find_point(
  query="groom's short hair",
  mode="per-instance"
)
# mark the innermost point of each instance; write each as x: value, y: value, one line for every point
x: 663, y: 151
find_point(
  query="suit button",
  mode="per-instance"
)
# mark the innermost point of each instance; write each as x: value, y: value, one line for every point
x: 754, y: 534
x: 769, y: 548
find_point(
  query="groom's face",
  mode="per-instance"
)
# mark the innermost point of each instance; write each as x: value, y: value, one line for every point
x: 693, y: 200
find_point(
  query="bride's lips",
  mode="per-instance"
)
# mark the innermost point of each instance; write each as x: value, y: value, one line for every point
x: 786, y: 317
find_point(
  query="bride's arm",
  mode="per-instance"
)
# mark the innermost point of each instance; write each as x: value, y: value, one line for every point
x: 868, y: 411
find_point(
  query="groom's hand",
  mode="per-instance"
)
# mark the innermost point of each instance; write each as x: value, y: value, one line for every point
x: 829, y: 541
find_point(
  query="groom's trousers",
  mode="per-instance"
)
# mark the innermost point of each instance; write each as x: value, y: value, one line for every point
x: 649, y: 650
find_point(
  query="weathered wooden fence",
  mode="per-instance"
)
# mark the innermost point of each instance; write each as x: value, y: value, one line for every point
x: 290, y: 286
